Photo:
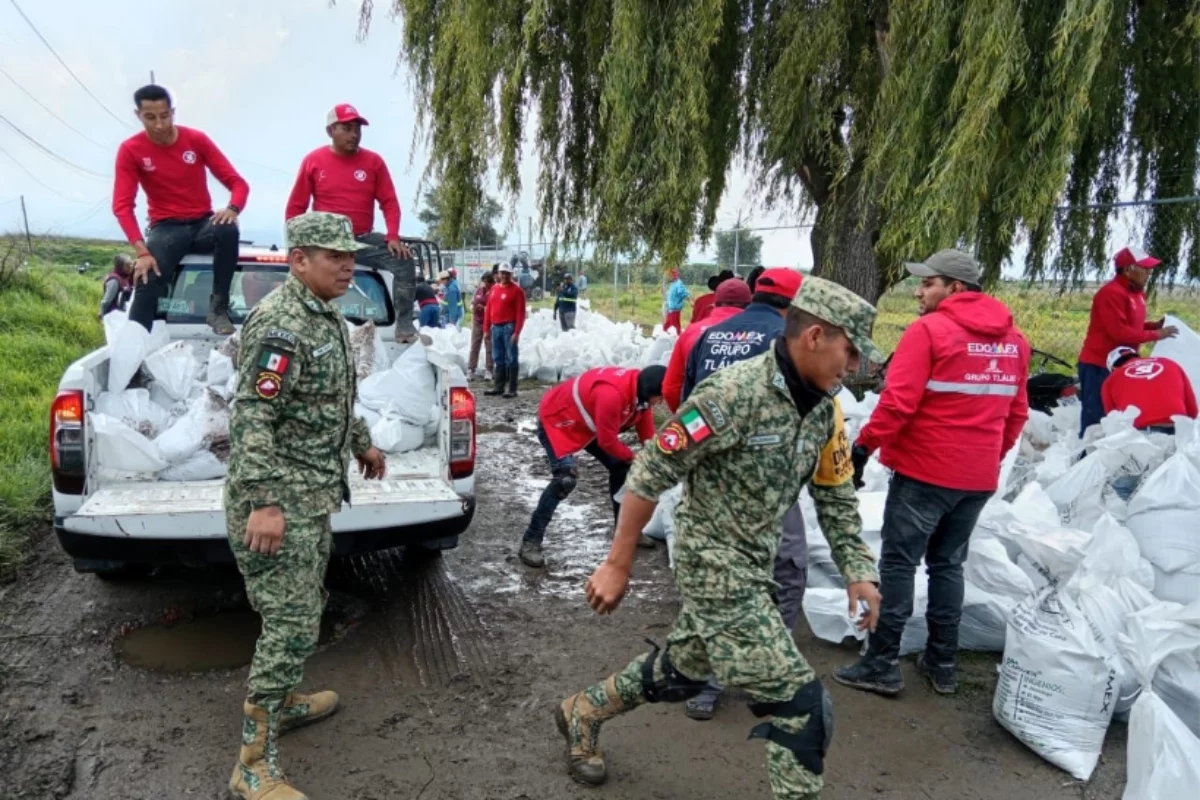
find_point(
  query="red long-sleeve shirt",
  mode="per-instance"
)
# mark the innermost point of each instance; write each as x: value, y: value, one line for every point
x: 672, y: 386
x: 173, y: 177
x: 1118, y: 318
x: 505, y: 304
x: 1157, y: 386
x: 348, y: 185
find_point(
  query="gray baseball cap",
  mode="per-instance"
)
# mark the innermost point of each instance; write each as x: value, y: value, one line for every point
x: 953, y: 264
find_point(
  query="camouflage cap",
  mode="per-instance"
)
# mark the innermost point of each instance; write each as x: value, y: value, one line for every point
x: 322, y: 229
x: 839, y: 306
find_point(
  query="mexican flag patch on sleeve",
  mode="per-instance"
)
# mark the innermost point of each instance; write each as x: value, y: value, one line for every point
x: 695, y: 425
x: 273, y: 361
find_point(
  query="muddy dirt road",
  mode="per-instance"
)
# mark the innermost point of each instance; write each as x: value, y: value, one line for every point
x: 448, y: 670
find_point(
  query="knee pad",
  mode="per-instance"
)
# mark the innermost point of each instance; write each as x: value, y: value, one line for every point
x: 812, y: 742
x: 674, y: 686
x: 564, y: 483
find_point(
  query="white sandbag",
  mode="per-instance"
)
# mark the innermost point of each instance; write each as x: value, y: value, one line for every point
x: 394, y: 435
x: 1006, y: 470
x: 662, y: 522
x: 1177, y: 682
x: 1055, y: 462
x: 1184, y: 349
x: 1079, y: 494
x: 220, y: 369
x: 1177, y: 587
x: 134, y: 408
x: 207, y: 420
x: 828, y: 614
x: 1163, y: 754
x: 547, y: 374
x: 202, y: 465
x: 128, y: 344
x: 367, y: 415
x: 122, y: 450
x: 1163, y: 516
x: 173, y: 368
x: 990, y: 569
x: 1057, y: 683
x: 409, y: 387
x: 1039, y: 430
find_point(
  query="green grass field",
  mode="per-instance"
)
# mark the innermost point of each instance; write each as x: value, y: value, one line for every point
x: 47, y: 320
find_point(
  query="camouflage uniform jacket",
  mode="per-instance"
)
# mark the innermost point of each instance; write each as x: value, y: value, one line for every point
x: 744, y: 452
x: 293, y: 427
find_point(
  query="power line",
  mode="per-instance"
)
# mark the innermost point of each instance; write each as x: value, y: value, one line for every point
x: 36, y: 179
x: 71, y: 72
x: 50, y: 152
x: 47, y: 109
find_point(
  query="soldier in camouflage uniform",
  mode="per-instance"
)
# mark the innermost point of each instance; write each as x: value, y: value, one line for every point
x: 746, y: 441
x: 293, y: 431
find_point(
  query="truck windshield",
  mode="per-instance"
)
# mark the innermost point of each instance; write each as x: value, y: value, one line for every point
x: 187, y: 303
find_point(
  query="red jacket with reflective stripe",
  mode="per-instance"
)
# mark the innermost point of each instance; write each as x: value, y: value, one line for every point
x: 955, y: 399
x: 1157, y: 386
x: 677, y: 366
x: 607, y: 396
x: 1118, y: 318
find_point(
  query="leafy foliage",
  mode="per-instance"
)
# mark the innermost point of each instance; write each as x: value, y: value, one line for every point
x: 746, y: 244
x: 480, y: 231
x: 908, y: 126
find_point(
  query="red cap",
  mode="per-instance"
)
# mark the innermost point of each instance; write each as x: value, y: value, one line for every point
x: 1135, y: 257
x: 733, y: 292
x: 779, y: 280
x: 344, y: 113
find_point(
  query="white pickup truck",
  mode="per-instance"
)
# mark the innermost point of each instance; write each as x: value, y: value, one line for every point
x: 113, y: 527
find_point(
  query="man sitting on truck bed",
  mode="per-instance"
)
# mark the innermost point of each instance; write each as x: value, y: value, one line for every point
x: 293, y: 431
x: 345, y: 178
x: 170, y: 162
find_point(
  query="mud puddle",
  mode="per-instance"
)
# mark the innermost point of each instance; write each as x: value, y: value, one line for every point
x: 218, y: 641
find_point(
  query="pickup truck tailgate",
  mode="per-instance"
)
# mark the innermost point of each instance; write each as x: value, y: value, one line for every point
x: 191, y: 510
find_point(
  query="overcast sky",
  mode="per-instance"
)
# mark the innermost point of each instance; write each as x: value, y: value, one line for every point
x: 258, y: 77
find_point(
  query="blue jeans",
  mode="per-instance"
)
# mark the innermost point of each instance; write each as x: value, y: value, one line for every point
x: 1091, y: 380
x: 504, y: 349
x: 430, y: 316
x: 169, y: 241
x: 564, y: 467
x: 920, y: 519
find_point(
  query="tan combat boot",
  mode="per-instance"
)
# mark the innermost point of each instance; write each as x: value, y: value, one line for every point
x: 257, y: 775
x: 305, y: 709
x: 579, y: 719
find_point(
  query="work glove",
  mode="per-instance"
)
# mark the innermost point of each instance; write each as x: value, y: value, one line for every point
x: 859, y: 457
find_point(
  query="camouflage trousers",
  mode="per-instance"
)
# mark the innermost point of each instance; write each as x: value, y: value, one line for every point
x: 288, y: 592
x: 741, y: 643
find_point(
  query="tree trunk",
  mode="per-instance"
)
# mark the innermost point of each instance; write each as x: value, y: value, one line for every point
x: 843, y: 244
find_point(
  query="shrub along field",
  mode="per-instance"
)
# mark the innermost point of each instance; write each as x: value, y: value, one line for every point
x: 47, y: 320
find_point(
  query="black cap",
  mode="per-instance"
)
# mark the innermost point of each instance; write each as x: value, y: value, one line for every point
x: 649, y: 383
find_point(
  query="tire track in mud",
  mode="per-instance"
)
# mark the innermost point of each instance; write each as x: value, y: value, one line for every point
x: 424, y: 628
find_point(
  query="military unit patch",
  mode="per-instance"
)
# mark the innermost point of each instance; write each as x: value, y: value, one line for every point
x: 672, y: 438
x: 716, y: 415
x: 267, y: 385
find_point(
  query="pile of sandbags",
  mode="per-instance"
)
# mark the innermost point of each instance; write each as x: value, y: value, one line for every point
x: 549, y: 354
x: 165, y: 414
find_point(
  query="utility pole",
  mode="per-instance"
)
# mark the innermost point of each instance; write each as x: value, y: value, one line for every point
x: 737, y: 238
x: 25, y: 216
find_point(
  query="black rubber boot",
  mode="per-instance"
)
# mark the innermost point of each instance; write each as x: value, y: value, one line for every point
x: 512, y: 381
x: 872, y: 674
x: 498, y: 384
x: 942, y: 677
x: 531, y: 554
x: 218, y: 315
x: 403, y: 291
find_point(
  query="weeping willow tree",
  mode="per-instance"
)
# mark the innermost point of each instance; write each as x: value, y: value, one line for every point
x: 904, y: 126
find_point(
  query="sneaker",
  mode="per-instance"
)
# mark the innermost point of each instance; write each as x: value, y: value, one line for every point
x: 531, y: 554
x: 487, y: 376
x: 942, y: 677
x: 872, y: 674
x: 701, y: 707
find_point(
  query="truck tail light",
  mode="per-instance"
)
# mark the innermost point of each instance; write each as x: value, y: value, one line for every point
x: 67, y: 468
x: 462, y: 432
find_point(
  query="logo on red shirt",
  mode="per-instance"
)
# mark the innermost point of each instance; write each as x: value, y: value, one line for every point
x: 360, y: 175
x: 147, y: 164
x: 1001, y: 349
x: 1144, y: 370
x: 189, y: 157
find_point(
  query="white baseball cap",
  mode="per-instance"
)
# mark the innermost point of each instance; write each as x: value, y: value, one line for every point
x: 1118, y: 354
